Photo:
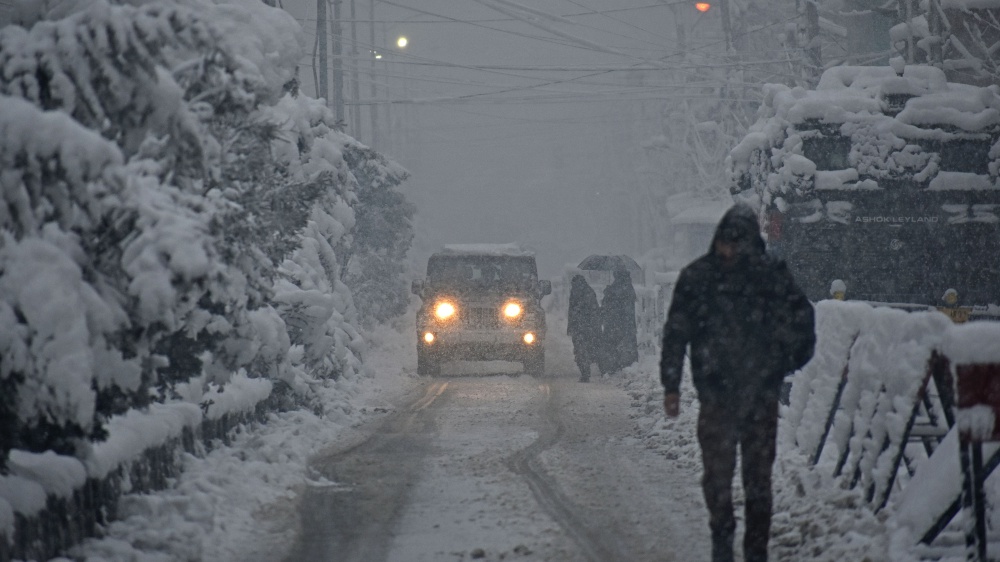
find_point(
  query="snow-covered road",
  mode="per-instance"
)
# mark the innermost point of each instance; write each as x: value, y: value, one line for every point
x: 406, y: 468
x: 503, y: 467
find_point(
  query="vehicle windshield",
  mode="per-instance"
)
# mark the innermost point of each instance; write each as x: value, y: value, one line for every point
x: 491, y: 273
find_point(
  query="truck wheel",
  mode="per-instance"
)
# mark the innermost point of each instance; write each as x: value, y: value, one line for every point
x: 427, y: 364
x: 534, y: 363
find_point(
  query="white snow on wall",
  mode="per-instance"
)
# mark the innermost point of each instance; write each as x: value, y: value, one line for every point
x: 136, y: 431
x: 972, y: 343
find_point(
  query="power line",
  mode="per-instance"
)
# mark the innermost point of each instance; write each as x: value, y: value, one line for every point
x: 498, y: 20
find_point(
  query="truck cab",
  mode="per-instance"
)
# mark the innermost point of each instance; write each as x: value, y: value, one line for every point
x: 481, y: 302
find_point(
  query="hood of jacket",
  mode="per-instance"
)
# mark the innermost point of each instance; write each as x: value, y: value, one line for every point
x: 739, y: 225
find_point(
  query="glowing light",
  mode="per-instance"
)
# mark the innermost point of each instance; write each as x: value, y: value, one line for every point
x: 402, y: 42
x: 429, y: 337
x: 444, y: 310
x: 378, y: 56
x: 529, y: 338
x: 702, y: 6
x: 512, y: 310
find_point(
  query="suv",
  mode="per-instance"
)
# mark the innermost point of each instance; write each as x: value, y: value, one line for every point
x: 481, y: 302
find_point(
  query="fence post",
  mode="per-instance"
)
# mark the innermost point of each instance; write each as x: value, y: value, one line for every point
x: 978, y: 402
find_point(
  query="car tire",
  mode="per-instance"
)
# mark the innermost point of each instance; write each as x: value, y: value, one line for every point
x: 534, y: 363
x: 427, y: 364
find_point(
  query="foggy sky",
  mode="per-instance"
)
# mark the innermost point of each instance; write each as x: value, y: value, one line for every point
x: 554, y: 173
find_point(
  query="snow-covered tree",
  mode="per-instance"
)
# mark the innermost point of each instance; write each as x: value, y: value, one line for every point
x: 169, y: 209
x: 962, y: 37
x: 376, y: 270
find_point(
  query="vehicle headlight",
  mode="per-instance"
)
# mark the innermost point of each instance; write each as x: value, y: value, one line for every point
x: 444, y: 310
x: 512, y: 310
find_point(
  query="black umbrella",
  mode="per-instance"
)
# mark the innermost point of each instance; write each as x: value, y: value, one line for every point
x: 611, y: 263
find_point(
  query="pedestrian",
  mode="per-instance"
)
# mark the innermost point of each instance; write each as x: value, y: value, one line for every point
x: 584, y: 324
x: 621, y: 343
x: 748, y: 325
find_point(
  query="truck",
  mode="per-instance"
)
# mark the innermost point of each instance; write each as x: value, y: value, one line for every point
x: 880, y: 185
x: 481, y: 302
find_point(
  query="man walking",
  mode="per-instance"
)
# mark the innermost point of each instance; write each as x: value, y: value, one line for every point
x: 748, y: 325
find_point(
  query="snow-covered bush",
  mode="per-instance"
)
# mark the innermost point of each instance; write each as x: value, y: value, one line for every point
x: 168, y: 215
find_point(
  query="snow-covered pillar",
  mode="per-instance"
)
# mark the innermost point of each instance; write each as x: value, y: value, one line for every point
x: 974, y: 363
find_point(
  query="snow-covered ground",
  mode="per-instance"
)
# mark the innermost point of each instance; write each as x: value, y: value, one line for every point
x: 240, y: 502
x: 243, y: 502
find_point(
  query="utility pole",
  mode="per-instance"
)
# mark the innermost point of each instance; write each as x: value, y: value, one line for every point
x: 338, y: 65
x: 355, y: 87
x: 906, y: 10
x: 727, y: 26
x: 321, y: 88
x: 373, y: 107
x: 811, y: 50
x: 936, y: 23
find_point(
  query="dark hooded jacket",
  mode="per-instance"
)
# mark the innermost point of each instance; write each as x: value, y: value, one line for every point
x: 747, y: 323
x: 584, y: 324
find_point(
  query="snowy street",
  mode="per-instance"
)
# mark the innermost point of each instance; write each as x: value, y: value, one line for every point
x: 503, y: 467
x: 315, y: 280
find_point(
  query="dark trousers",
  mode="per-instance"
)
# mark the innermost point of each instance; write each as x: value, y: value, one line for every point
x: 752, y: 425
x: 584, y: 353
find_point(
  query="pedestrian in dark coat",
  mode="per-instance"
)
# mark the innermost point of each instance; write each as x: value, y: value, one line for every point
x: 621, y: 344
x: 584, y: 325
x: 748, y: 325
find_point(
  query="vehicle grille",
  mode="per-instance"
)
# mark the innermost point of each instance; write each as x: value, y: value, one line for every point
x: 482, y: 318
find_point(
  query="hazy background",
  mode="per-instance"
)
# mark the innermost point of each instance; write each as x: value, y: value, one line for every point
x: 504, y: 143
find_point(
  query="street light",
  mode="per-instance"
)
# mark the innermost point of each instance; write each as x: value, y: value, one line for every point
x: 702, y: 6
x: 402, y: 42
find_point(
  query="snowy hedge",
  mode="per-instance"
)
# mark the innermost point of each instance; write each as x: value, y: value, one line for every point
x: 174, y: 210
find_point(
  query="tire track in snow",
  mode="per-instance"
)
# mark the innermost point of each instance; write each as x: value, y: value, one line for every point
x: 592, y: 543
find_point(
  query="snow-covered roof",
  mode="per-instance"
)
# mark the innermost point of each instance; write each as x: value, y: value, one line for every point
x: 511, y: 250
